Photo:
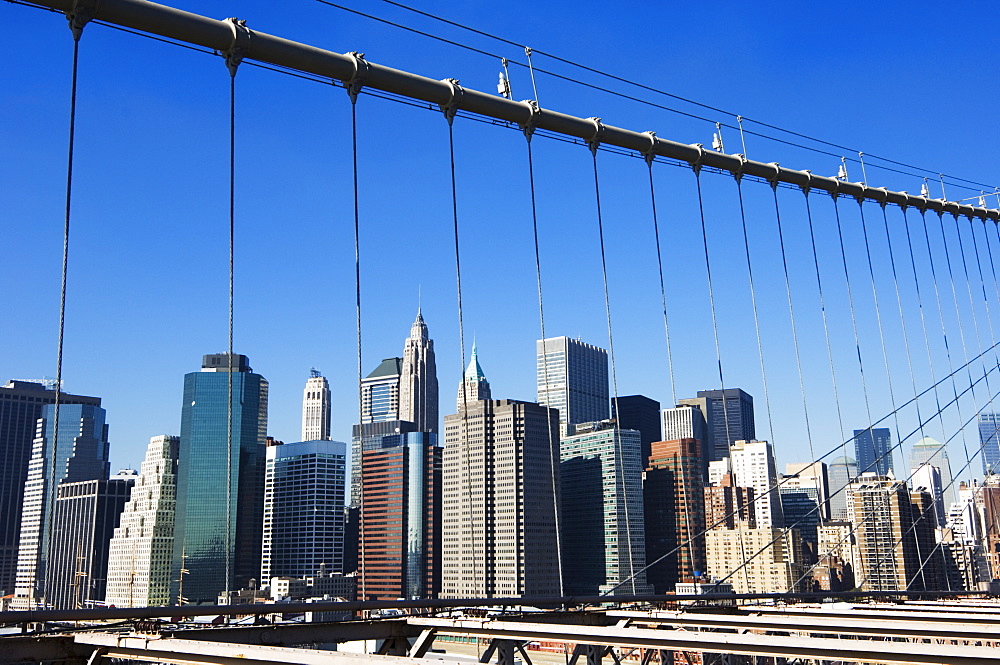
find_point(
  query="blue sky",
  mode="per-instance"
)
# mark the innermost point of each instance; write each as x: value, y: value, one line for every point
x: 147, y: 289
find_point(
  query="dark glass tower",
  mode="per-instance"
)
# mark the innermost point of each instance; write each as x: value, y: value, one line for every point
x: 989, y: 439
x: 731, y: 413
x: 872, y: 450
x: 21, y: 405
x: 220, y: 489
x: 642, y: 414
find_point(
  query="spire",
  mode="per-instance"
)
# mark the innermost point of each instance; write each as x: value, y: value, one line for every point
x: 418, y: 331
x: 474, y: 372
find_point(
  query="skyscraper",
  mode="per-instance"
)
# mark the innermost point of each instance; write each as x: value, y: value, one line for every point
x: 21, y: 405
x: 401, y: 525
x: 753, y: 465
x: 220, y: 487
x: 639, y: 413
x: 675, y: 513
x: 77, y: 452
x: 474, y: 386
x: 84, y: 518
x: 573, y: 377
x: 380, y: 392
x: 316, y: 408
x: 989, y: 439
x: 304, y: 486
x: 873, y: 450
x: 929, y: 451
x: 142, y: 546
x: 418, y: 384
x: 840, y: 472
x: 730, y: 419
x: 499, y: 489
x: 688, y: 420
x: 601, y: 479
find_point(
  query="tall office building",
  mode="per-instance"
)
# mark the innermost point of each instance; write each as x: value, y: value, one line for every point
x: 929, y: 451
x: 316, y: 408
x: 84, y: 518
x: 730, y: 419
x: 21, y: 405
x: 675, y: 514
x: 418, y: 384
x: 142, y: 546
x: 573, y: 377
x: 77, y: 452
x: 474, y: 386
x: 752, y: 464
x: 811, y: 476
x: 401, y: 509
x: 927, y: 478
x: 894, y: 529
x: 639, y: 413
x: 760, y: 560
x: 380, y: 392
x: 603, y: 527
x: 989, y: 439
x: 840, y: 472
x: 687, y: 420
x: 220, y: 488
x: 304, y: 487
x: 499, y: 501
x: 873, y: 450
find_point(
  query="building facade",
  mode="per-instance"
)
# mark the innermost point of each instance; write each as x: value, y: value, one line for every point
x: 316, y: 408
x: 380, y: 392
x: 572, y: 377
x: 730, y: 419
x: 752, y: 465
x: 400, y: 529
x: 77, y: 452
x: 873, y: 450
x: 474, y: 386
x: 601, y: 478
x: 418, y: 384
x: 220, y: 480
x: 989, y: 439
x: 21, y: 405
x: 840, y: 472
x: 639, y: 413
x: 83, y: 521
x: 142, y: 547
x: 500, y: 485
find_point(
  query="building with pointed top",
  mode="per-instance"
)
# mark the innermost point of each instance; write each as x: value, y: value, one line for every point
x: 316, y: 408
x: 418, y: 384
x: 474, y: 387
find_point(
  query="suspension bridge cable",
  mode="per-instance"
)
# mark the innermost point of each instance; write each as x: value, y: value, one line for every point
x: 620, y: 479
x: 753, y: 304
x: 663, y: 289
x: 641, y: 86
x: 791, y: 314
x: 528, y: 131
x: 968, y: 285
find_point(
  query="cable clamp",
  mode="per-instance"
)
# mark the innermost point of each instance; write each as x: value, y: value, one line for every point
x: 738, y: 173
x: 885, y: 196
x: 80, y: 14
x: 809, y: 179
x: 595, y: 141
x: 534, y: 112
x: 696, y: 164
x: 650, y: 154
x: 777, y: 175
x: 354, y: 84
x: 241, y: 44
x: 454, y: 102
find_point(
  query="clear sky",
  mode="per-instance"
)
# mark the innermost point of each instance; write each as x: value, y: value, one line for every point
x: 147, y: 283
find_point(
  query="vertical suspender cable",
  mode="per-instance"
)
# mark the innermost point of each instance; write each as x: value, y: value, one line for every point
x: 663, y: 289
x: 553, y: 454
x: 362, y: 563
x: 76, y: 23
x: 229, y: 382
x: 620, y: 482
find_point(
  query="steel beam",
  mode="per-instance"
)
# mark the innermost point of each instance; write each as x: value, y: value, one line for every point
x: 221, y: 36
x: 749, y: 644
x: 46, y: 648
x: 289, y: 634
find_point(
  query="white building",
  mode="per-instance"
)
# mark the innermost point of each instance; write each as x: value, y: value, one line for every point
x: 316, y: 408
x: 142, y: 546
x: 418, y: 384
x: 752, y: 465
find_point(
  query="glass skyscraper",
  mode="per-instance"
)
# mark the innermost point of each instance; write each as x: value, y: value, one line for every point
x: 573, y: 377
x: 729, y: 414
x: 220, y: 489
x: 989, y: 439
x: 872, y: 449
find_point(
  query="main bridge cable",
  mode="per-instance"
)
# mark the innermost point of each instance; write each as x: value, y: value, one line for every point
x: 78, y: 17
x: 620, y: 467
x: 832, y: 451
x: 529, y: 129
x: 739, y: 118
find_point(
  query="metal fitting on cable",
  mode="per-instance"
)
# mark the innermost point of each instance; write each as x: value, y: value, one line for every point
x: 451, y: 108
x: 650, y: 154
x: 80, y: 14
x: 534, y: 111
x: 885, y: 196
x: 738, y: 173
x: 595, y: 141
x: 241, y: 44
x: 777, y: 175
x: 696, y: 164
x: 354, y: 84
x: 808, y: 186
